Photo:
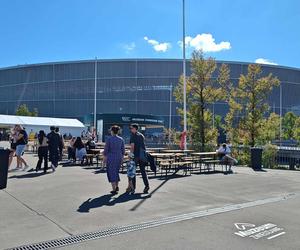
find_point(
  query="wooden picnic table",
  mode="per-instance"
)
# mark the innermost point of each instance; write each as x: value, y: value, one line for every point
x: 162, y: 155
x: 178, y: 151
x: 210, y: 159
x: 214, y: 153
x: 156, y: 150
x: 96, y: 150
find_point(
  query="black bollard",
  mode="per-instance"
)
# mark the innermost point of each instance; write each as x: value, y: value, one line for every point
x: 4, y: 156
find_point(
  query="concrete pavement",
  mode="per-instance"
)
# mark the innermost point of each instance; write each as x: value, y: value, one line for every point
x: 74, y: 200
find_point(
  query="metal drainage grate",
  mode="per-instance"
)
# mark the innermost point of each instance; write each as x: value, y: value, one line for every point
x: 155, y: 223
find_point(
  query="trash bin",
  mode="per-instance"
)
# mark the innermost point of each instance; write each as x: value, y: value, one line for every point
x: 256, y: 158
x: 4, y: 156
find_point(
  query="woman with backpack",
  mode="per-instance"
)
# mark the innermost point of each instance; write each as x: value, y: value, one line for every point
x: 42, y: 151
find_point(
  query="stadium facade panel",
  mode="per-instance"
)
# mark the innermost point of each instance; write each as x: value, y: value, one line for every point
x: 124, y: 86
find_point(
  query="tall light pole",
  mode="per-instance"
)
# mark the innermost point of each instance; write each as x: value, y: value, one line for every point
x: 95, y: 95
x: 184, y: 73
x: 170, y: 113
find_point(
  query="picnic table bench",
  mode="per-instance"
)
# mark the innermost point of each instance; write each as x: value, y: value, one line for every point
x: 210, y: 160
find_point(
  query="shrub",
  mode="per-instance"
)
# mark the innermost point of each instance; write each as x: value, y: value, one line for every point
x: 268, y: 156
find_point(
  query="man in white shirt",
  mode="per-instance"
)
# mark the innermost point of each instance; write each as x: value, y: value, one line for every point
x: 224, y: 153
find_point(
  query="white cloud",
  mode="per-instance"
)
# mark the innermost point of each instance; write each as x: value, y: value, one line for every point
x: 160, y: 47
x: 205, y: 42
x: 129, y: 47
x: 264, y: 61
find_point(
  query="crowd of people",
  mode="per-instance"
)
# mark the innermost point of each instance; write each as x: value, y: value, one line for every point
x: 51, y: 145
x: 77, y: 149
x: 50, y: 148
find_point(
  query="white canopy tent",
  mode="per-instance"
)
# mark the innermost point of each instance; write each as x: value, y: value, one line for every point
x: 34, y: 124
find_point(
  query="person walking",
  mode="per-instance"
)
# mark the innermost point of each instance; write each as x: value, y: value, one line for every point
x: 22, y: 140
x: 131, y: 171
x: 53, y: 146
x: 114, y: 151
x: 61, y: 143
x: 42, y: 151
x: 138, y: 149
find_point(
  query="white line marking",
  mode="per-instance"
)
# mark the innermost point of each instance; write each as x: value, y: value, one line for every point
x: 276, y: 235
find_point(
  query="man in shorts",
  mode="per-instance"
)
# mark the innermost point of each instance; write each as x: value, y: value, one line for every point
x: 20, y: 147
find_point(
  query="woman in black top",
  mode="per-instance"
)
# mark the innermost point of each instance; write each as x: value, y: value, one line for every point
x: 42, y: 151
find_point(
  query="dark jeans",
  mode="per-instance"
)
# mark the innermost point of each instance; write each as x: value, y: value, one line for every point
x: 43, y: 155
x: 60, y: 153
x: 71, y: 153
x: 54, y: 156
x: 142, y: 166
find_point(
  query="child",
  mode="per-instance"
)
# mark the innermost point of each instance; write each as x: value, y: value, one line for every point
x: 131, y: 169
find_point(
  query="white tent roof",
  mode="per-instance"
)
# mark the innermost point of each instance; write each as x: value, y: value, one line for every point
x: 39, y: 121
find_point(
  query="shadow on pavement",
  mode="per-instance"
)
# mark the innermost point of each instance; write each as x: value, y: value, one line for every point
x: 109, y: 200
x: 259, y: 170
x: 30, y: 175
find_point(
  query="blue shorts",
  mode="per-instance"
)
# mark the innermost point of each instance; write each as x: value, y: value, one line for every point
x: 20, y: 150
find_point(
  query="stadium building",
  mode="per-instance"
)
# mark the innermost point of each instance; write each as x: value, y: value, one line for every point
x: 124, y: 86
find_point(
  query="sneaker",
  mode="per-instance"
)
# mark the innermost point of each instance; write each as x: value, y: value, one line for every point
x: 146, y: 189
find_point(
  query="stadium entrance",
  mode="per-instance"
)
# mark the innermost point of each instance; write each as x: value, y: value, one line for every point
x: 151, y: 126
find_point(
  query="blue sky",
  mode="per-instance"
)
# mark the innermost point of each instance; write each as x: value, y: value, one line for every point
x: 35, y: 31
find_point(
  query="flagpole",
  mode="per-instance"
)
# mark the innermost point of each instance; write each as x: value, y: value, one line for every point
x: 280, y: 111
x: 184, y: 75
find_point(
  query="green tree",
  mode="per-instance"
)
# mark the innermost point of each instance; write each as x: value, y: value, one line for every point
x: 228, y: 95
x: 24, y: 111
x: 269, y: 130
x: 202, y: 91
x: 249, y: 104
x: 296, y: 131
x: 288, y: 125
